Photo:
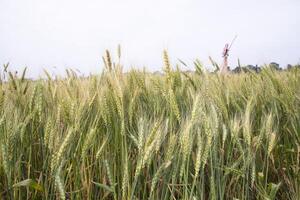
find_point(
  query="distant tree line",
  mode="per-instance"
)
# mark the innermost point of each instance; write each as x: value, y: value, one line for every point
x: 257, y: 68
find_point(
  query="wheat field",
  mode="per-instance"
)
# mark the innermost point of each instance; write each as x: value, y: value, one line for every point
x: 140, y: 135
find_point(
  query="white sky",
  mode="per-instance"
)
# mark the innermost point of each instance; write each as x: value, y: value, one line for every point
x: 69, y: 33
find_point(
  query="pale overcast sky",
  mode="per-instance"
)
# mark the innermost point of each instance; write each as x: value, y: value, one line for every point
x: 70, y: 33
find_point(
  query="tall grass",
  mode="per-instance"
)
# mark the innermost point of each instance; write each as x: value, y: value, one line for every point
x: 140, y: 135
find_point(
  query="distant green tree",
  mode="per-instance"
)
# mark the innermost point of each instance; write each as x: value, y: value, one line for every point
x: 275, y: 66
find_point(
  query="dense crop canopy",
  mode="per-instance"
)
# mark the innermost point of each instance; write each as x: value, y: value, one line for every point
x: 139, y: 135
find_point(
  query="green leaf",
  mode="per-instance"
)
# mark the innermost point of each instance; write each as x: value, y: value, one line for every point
x: 182, y: 62
x: 273, y: 190
x: 23, y: 74
x: 199, y: 67
x: 29, y: 183
x: 106, y: 187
